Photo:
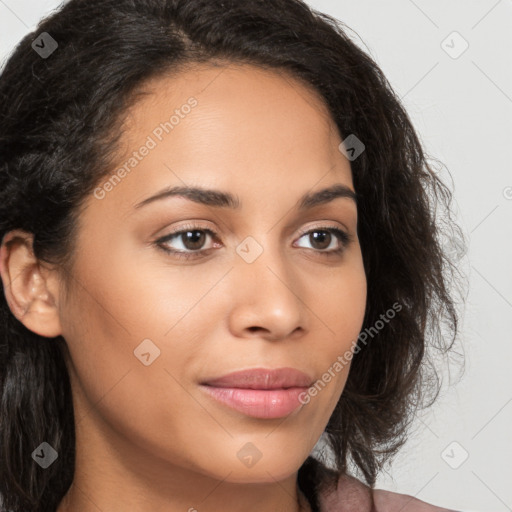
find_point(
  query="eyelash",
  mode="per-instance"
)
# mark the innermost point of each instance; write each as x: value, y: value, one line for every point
x: 343, y: 237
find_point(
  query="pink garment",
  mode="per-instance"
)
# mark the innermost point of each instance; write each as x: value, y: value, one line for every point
x: 353, y: 495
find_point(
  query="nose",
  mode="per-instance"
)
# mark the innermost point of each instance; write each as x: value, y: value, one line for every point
x: 267, y: 299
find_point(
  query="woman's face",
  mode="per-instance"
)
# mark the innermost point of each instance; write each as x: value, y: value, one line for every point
x: 145, y: 327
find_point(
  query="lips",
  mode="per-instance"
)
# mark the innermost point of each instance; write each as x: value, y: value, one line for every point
x: 261, y: 378
x: 260, y: 393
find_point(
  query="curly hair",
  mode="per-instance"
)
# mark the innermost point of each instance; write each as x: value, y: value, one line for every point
x: 61, y: 119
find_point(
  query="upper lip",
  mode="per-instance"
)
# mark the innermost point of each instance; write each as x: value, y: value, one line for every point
x: 262, y: 378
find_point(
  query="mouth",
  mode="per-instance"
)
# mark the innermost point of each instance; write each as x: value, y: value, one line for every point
x: 260, y: 392
x: 258, y: 403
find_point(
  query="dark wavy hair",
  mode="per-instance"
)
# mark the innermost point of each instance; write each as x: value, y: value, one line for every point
x: 61, y: 120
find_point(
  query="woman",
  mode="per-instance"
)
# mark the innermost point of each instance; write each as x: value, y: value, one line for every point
x: 218, y: 245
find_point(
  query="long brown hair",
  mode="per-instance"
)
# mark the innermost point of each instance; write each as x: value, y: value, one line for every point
x: 60, y: 117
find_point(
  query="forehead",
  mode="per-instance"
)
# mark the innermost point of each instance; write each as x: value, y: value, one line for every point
x: 231, y: 100
x: 237, y: 126
x: 237, y: 80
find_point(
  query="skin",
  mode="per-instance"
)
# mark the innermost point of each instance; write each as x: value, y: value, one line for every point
x: 148, y: 437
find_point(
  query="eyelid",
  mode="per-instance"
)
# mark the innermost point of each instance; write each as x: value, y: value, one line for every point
x: 189, y: 227
x: 325, y: 226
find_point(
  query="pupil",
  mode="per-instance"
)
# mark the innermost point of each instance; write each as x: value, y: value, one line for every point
x: 190, y: 237
x: 321, y: 236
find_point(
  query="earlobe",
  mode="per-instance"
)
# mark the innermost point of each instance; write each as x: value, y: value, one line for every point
x: 29, y: 288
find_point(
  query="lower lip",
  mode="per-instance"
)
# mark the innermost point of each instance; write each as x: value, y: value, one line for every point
x: 258, y: 403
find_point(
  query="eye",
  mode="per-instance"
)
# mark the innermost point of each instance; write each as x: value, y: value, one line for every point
x: 189, y: 241
x: 329, y: 240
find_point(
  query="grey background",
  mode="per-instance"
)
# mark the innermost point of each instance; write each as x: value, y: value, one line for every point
x: 462, y: 110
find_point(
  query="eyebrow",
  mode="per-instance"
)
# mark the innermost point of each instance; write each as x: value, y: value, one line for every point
x: 221, y: 199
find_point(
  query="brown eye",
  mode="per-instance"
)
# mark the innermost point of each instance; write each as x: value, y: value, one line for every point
x: 327, y: 240
x: 320, y: 239
x: 186, y: 242
x: 189, y: 242
x: 193, y: 240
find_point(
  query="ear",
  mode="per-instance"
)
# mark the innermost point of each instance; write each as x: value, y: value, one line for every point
x: 30, y: 288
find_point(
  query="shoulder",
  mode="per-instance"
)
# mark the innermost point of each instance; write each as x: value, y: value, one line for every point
x: 351, y: 495
x: 387, y: 501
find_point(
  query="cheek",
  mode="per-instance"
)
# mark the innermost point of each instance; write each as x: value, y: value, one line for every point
x: 104, y: 322
x: 342, y: 302
x: 340, y: 305
x: 126, y: 310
